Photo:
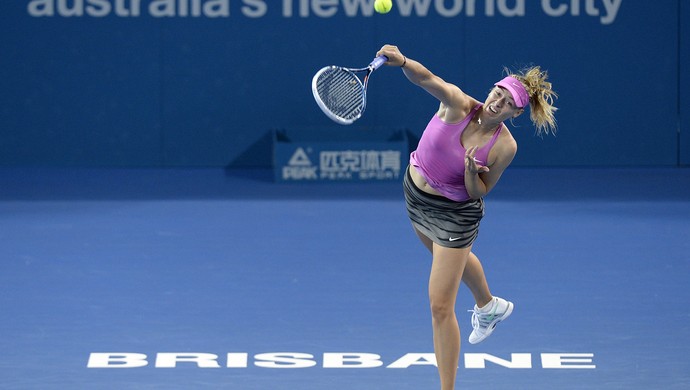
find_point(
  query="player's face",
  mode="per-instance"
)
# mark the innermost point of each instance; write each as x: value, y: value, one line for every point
x: 501, y: 105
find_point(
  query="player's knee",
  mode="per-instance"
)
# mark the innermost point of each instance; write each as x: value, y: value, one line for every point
x: 441, y: 307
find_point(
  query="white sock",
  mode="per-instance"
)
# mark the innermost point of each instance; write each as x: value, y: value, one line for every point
x: 487, y: 308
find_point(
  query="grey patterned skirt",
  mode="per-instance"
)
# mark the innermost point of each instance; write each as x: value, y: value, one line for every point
x: 446, y: 222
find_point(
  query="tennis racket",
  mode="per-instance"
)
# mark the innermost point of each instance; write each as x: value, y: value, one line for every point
x: 340, y: 93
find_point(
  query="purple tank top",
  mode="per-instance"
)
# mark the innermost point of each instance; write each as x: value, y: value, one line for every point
x: 440, y: 156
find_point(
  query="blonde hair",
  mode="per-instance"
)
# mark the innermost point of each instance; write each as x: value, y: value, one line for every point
x: 541, y: 98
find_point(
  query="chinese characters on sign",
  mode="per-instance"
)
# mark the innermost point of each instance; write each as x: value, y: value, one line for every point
x: 360, y: 164
x: 345, y: 164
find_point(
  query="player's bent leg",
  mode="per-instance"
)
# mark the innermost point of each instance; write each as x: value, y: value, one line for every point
x: 475, y: 279
x: 485, y: 319
x: 488, y: 310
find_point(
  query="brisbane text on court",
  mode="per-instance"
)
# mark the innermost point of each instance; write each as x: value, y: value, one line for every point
x: 286, y: 360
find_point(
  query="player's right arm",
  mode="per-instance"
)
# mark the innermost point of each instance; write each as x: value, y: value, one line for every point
x: 450, y: 95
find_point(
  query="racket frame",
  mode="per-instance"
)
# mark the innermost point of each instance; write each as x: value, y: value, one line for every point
x: 363, y: 83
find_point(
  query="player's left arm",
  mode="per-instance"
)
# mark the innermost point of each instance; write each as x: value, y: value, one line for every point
x: 480, y: 180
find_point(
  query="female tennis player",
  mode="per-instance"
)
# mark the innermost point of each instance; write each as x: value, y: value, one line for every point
x: 460, y: 157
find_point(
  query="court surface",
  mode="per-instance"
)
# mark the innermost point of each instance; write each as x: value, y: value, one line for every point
x: 212, y: 279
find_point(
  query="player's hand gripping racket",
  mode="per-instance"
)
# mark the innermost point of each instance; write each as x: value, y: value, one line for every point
x: 340, y: 93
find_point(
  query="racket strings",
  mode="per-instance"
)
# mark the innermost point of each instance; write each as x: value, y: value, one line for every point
x: 342, y: 93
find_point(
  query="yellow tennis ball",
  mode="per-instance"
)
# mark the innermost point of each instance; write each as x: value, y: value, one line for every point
x: 383, y: 6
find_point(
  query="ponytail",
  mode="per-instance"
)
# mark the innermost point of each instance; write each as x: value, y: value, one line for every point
x: 541, y: 98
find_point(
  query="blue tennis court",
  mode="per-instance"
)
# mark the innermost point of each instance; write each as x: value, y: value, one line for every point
x: 154, y: 235
x: 209, y: 279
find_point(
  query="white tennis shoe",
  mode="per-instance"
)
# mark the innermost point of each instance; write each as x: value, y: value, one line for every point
x: 484, y: 320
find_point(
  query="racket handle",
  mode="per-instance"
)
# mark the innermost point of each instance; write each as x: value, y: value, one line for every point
x: 377, y: 62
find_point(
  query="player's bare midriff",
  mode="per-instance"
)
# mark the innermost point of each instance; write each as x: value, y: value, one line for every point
x: 421, y: 183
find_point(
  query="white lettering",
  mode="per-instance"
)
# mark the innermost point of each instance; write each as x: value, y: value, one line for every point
x: 365, y: 164
x: 121, y: 9
x: 421, y: 7
x: 254, y: 8
x: 95, y: 8
x: 202, y: 360
x: 440, y: 6
x: 611, y: 7
x: 324, y: 8
x: 410, y: 359
x: 194, y: 8
x: 284, y: 360
x: 355, y: 7
x: 390, y: 159
x: 162, y: 8
x: 100, y: 8
x: 287, y: 8
x: 116, y: 360
x: 332, y: 360
x: 517, y: 360
x: 299, y: 173
x: 217, y: 9
x: 549, y: 10
x: 517, y: 10
x: 559, y: 360
x: 471, y: 8
x: 237, y: 360
x: 76, y: 10
x: 351, y: 360
x: 303, y: 8
x: 37, y: 8
x: 605, y: 10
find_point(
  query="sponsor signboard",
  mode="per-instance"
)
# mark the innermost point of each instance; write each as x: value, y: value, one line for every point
x: 336, y: 155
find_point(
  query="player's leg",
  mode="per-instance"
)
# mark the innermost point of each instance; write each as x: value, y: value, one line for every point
x: 489, y: 310
x: 475, y: 279
x: 424, y: 239
x: 473, y: 275
x: 446, y: 273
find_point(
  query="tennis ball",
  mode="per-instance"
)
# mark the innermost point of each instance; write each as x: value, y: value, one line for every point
x: 383, y: 6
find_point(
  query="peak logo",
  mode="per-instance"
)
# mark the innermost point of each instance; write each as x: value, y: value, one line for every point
x: 300, y: 159
x: 299, y: 167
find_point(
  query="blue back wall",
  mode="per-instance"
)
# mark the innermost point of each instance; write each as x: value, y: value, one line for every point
x: 158, y: 83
